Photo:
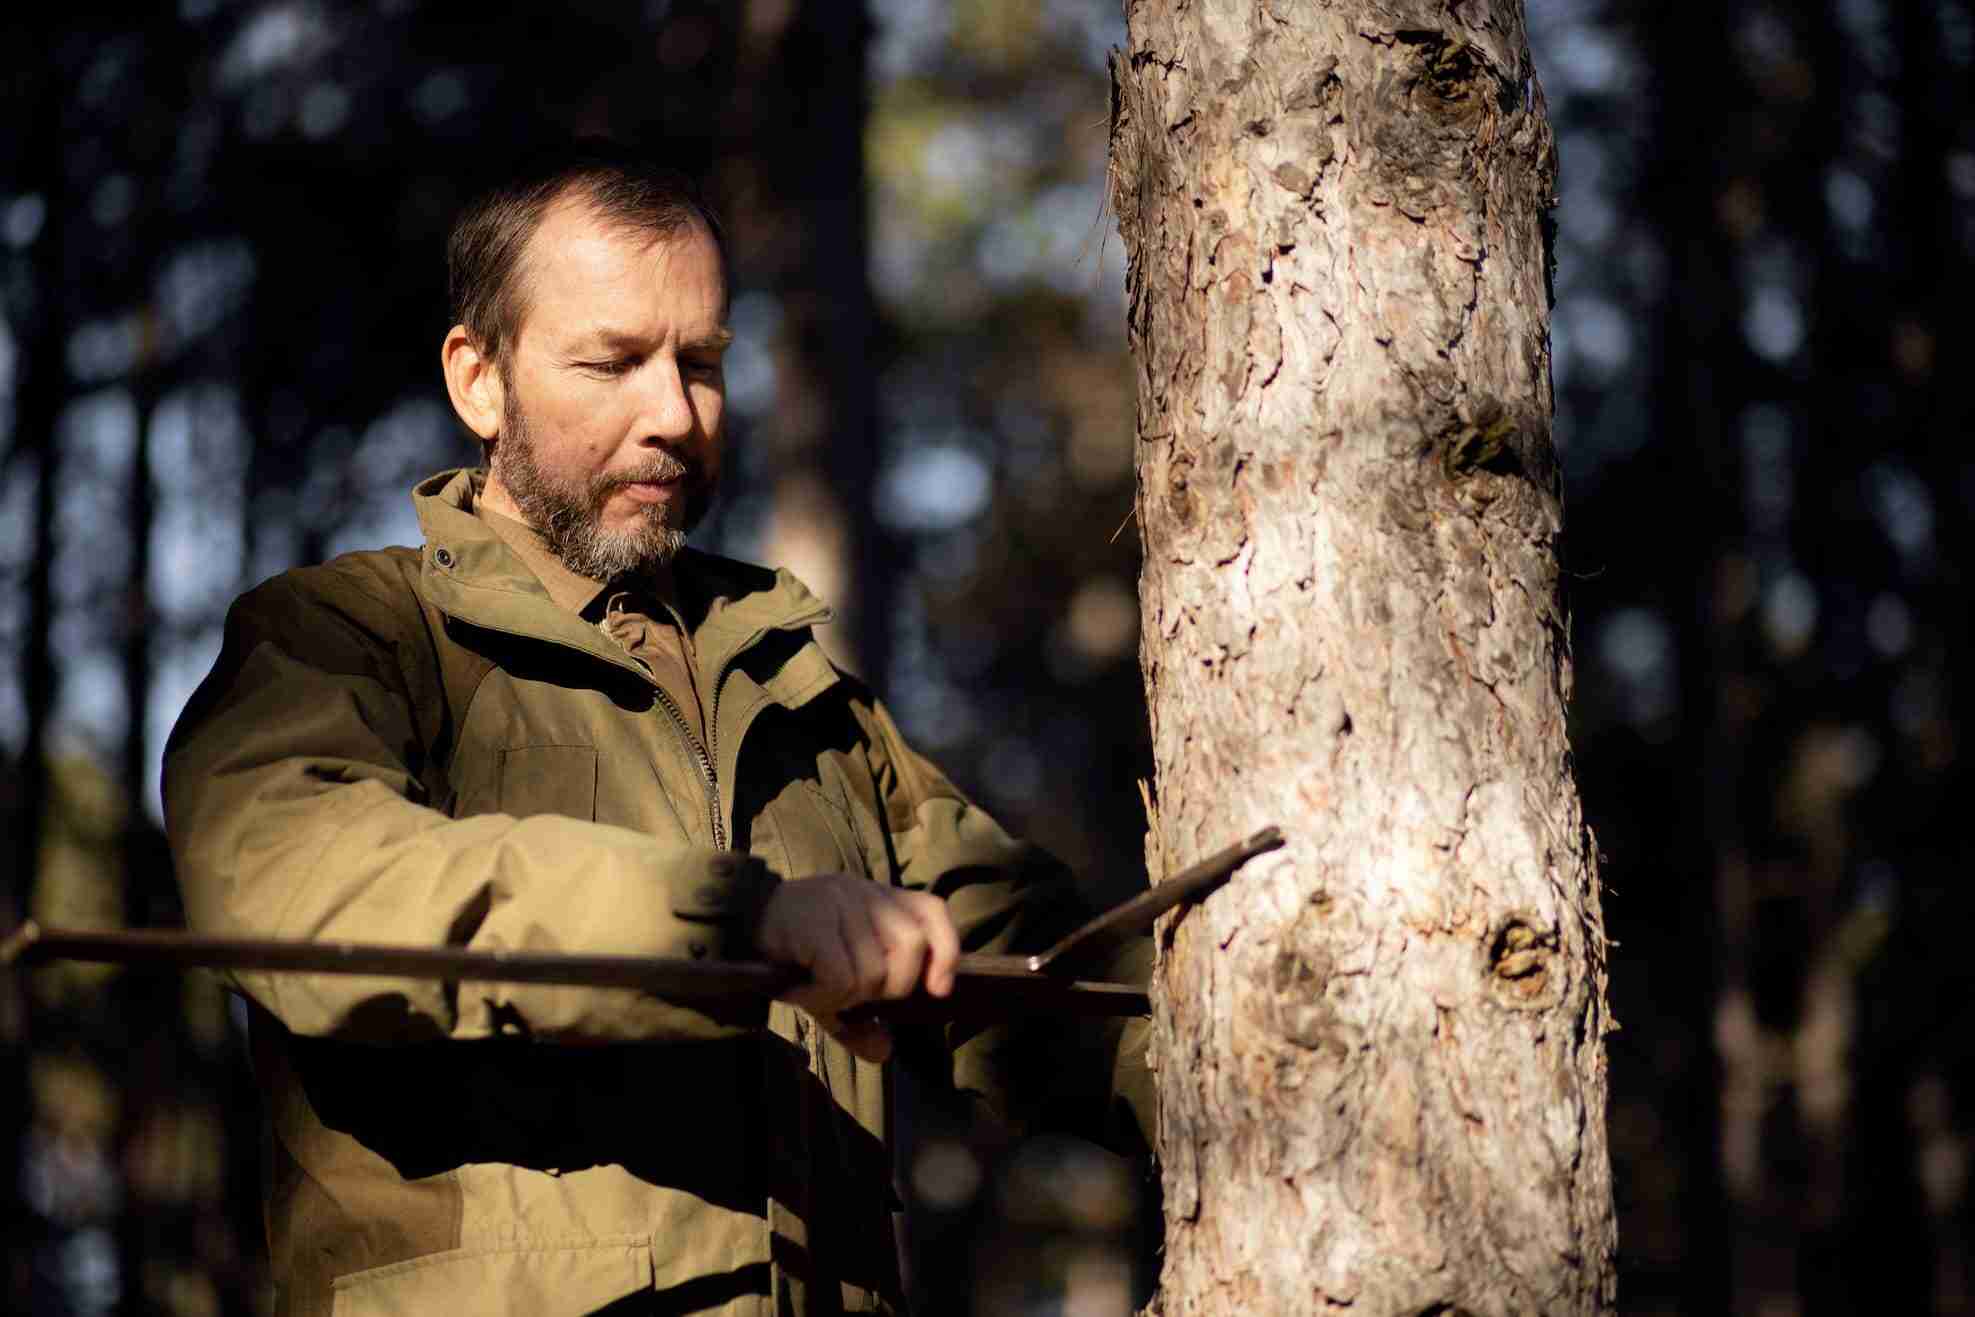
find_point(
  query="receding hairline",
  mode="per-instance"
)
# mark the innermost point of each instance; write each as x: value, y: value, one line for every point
x: 583, y: 194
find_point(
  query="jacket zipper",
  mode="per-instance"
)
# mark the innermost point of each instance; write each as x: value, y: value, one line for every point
x: 707, y: 755
x: 703, y: 759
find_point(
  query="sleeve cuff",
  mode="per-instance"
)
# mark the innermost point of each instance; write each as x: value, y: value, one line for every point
x: 732, y: 890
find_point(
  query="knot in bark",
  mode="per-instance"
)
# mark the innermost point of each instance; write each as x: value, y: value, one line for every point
x: 1524, y: 970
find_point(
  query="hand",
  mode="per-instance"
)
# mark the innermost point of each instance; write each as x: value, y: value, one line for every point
x: 861, y: 941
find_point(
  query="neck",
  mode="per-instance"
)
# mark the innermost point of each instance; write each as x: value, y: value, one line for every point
x: 494, y: 497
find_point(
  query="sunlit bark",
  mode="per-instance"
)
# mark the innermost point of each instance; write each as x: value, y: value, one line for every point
x: 1380, y: 1053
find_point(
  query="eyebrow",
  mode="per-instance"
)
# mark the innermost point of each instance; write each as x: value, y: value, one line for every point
x: 613, y: 340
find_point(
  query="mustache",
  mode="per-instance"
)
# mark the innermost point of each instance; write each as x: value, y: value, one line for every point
x: 661, y: 466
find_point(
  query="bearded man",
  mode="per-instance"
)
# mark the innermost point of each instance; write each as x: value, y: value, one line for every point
x: 555, y: 728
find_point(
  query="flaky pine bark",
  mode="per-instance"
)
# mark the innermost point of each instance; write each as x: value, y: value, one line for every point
x: 1380, y: 1052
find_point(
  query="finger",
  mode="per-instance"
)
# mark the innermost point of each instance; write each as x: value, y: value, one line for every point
x: 905, y: 946
x: 942, y: 942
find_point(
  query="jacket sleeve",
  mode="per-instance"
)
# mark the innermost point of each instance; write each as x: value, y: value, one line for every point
x: 295, y: 810
x: 1084, y: 1076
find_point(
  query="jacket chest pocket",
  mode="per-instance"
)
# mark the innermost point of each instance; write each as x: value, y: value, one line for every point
x: 548, y: 779
x: 809, y: 832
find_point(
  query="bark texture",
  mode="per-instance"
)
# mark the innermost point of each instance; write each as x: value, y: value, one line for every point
x: 1380, y: 1051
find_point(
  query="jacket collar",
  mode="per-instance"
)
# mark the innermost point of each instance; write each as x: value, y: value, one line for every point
x: 468, y: 572
x: 572, y: 590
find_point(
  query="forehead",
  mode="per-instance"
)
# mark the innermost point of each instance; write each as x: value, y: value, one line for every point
x: 579, y: 266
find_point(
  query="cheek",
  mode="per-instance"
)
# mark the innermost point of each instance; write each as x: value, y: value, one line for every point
x: 566, y: 420
x: 709, y: 397
x: 582, y: 429
x: 710, y: 405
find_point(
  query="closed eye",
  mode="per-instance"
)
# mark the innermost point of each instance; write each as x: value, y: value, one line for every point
x: 610, y: 368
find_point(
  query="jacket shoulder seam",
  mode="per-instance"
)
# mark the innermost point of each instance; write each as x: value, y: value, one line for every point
x: 305, y: 583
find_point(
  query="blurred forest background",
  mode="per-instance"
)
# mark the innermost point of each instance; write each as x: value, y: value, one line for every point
x: 221, y: 298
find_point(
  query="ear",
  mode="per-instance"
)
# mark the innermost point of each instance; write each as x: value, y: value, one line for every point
x: 473, y: 382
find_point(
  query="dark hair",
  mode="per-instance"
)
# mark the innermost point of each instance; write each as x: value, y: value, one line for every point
x: 623, y: 186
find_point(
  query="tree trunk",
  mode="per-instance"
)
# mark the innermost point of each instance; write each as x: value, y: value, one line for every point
x: 1380, y: 1052
x: 804, y: 235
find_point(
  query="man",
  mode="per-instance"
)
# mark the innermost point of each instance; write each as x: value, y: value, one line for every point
x: 553, y: 727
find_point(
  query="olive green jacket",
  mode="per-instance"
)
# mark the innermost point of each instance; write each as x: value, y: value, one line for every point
x: 419, y: 746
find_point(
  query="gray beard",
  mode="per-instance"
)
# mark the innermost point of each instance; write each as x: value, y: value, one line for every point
x: 569, y: 516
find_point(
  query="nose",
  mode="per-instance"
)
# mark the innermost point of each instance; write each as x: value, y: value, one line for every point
x: 665, y: 410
